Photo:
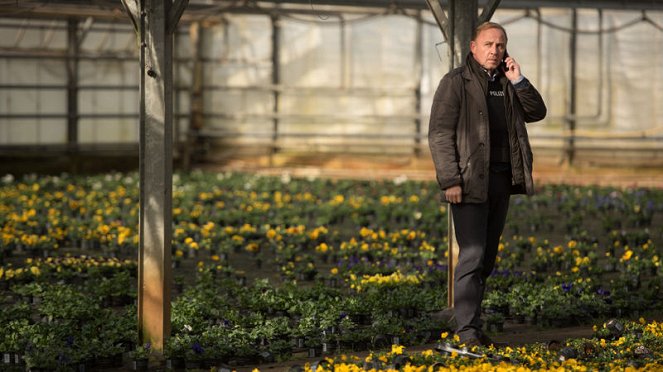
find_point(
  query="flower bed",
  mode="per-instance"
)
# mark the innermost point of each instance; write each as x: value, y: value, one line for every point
x: 269, y: 267
x: 614, y: 346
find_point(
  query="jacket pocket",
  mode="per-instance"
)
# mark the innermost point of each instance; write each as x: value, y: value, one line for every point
x: 469, y: 169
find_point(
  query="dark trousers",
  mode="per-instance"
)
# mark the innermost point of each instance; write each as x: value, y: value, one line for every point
x: 478, y: 229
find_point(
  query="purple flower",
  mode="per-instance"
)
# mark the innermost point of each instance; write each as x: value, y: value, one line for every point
x: 603, y: 292
x: 566, y: 287
x: 197, y: 348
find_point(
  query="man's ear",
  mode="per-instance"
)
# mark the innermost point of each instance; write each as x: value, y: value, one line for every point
x: 473, y: 46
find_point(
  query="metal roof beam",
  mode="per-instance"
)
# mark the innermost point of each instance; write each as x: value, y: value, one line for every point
x: 517, y: 4
x: 113, y: 9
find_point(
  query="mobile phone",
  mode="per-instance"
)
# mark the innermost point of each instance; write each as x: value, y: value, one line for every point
x: 503, y: 64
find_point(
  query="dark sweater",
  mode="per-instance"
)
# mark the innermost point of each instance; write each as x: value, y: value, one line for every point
x: 499, y: 135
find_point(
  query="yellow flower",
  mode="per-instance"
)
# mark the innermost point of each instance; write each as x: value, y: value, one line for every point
x: 397, y: 349
x: 627, y: 255
x: 427, y: 353
x: 252, y: 247
x: 334, y: 270
x: 2, y: 272
x: 322, y: 248
x: 35, y: 271
x: 444, y: 335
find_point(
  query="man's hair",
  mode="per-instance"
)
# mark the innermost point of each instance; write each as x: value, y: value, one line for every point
x: 486, y: 26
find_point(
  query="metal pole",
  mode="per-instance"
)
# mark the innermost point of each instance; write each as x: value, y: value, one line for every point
x: 419, y: 71
x: 72, y: 84
x: 571, y: 117
x: 276, y: 78
x: 452, y: 34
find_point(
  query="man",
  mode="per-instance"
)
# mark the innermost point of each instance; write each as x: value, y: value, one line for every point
x: 482, y: 155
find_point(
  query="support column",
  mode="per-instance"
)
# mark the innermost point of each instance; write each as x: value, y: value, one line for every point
x: 571, y: 115
x: 73, y: 49
x: 276, y: 79
x: 419, y: 73
x: 155, y: 21
x: 464, y: 20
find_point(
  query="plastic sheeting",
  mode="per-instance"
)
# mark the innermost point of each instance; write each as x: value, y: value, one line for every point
x: 355, y: 78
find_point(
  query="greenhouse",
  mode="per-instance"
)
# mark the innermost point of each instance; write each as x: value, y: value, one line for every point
x: 240, y: 185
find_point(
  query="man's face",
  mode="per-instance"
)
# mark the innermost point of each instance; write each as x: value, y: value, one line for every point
x: 489, y: 47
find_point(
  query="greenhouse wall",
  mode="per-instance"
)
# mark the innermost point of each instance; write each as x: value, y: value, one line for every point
x: 352, y: 83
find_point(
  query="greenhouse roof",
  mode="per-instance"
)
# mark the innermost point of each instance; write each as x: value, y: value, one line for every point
x: 114, y: 8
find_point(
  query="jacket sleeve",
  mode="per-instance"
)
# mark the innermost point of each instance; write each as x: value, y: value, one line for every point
x: 444, y: 117
x: 531, y: 101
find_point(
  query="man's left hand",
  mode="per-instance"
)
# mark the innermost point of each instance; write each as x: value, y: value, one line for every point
x: 512, y: 69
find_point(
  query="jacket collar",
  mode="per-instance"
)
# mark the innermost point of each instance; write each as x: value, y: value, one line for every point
x: 473, y: 70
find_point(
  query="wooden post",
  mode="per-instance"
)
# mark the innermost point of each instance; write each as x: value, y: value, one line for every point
x: 452, y: 258
x: 155, y: 22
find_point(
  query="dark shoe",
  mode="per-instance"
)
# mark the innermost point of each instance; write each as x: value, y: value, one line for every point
x: 485, y: 340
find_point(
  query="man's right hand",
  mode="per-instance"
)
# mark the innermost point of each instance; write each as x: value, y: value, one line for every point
x: 454, y: 194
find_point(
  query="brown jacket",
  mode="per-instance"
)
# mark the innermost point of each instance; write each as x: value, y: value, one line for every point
x: 458, y: 133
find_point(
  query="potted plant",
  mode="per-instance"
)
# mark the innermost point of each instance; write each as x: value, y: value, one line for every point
x: 140, y: 356
x: 175, y: 351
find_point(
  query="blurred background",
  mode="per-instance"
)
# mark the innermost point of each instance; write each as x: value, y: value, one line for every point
x: 264, y: 84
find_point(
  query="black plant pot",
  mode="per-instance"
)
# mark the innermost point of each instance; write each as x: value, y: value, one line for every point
x: 314, y: 352
x: 140, y: 364
x: 299, y: 343
x: 193, y: 364
x: 175, y: 363
x: 109, y: 361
